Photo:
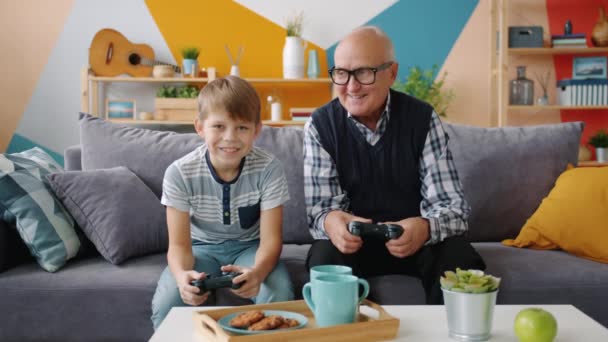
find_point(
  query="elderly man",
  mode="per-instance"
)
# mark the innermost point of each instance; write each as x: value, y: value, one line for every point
x: 378, y: 155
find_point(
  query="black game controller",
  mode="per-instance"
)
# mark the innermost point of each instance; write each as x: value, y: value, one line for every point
x: 381, y: 231
x: 216, y: 282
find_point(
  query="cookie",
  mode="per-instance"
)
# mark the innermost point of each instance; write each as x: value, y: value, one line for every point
x: 246, y: 319
x: 268, y: 323
x: 288, y: 323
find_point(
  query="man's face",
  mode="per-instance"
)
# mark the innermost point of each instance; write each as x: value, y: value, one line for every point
x: 358, y: 99
x: 228, y: 140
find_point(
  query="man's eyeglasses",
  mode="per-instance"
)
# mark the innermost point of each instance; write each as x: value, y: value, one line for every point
x: 365, y: 76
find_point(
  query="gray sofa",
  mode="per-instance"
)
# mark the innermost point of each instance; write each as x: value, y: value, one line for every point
x: 505, y: 174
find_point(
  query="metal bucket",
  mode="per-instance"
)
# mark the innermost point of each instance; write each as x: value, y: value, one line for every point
x: 469, y: 314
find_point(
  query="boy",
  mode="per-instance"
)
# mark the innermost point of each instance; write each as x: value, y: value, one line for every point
x: 224, y: 205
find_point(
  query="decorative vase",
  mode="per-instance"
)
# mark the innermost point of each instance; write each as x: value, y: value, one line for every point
x: 313, y: 64
x: 189, y: 67
x: 543, y: 100
x: 522, y: 89
x: 293, y: 58
x: 600, y: 154
x: 469, y: 315
x: 599, y: 35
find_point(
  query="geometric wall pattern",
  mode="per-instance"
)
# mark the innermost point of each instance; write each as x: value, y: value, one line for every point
x: 49, y: 117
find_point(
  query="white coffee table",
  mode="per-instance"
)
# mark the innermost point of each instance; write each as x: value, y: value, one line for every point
x: 423, y: 323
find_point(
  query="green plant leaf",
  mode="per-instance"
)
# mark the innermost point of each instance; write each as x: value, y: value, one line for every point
x: 422, y: 85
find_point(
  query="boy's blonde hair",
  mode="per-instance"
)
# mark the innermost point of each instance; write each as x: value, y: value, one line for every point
x: 233, y: 95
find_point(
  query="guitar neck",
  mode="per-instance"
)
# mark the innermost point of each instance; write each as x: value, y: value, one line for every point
x: 151, y: 62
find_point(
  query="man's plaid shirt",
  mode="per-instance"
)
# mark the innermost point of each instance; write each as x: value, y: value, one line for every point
x: 443, y: 202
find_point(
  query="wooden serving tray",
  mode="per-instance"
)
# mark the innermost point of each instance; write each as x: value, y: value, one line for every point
x: 366, y: 328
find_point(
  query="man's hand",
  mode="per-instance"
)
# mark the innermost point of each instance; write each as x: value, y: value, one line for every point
x: 416, y: 231
x: 189, y: 293
x: 336, y: 227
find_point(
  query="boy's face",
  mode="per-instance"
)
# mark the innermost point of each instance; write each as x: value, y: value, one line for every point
x: 228, y: 140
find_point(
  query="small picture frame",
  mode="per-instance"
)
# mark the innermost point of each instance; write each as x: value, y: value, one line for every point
x: 120, y: 109
x: 589, y: 67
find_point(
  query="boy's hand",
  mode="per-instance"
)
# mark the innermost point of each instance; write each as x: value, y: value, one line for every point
x: 336, y: 227
x: 189, y: 293
x: 416, y: 231
x: 252, y: 280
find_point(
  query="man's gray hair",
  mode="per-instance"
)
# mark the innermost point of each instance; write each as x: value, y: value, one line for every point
x: 381, y: 34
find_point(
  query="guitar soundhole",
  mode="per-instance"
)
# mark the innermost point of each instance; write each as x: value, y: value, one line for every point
x: 134, y: 59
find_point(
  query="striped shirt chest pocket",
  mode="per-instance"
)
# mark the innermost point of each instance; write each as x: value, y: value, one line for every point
x: 249, y: 215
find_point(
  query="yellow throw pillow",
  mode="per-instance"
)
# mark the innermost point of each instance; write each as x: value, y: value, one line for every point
x: 573, y: 217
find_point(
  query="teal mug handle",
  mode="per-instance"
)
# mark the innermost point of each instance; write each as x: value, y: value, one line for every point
x: 365, y: 285
x: 307, y: 296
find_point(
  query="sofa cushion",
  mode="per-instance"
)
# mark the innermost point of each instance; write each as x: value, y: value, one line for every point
x: 27, y: 201
x: 506, y: 172
x: 573, y: 217
x: 88, y: 300
x: 116, y: 210
x: 286, y: 144
x: 531, y: 276
x: 146, y: 152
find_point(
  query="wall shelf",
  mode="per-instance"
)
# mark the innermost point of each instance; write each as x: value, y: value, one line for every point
x: 503, y: 61
x: 123, y: 79
x: 91, y: 85
x: 555, y: 107
x: 556, y: 51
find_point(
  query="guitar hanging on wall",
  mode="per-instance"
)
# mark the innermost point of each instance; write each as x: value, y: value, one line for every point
x: 112, y: 54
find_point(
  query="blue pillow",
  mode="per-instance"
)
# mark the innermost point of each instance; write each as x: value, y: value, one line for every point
x: 27, y: 201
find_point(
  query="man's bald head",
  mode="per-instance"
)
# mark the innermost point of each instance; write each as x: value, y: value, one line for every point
x: 370, y: 38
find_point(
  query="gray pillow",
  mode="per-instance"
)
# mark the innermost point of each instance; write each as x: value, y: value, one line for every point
x: 116, y: 210
x: 506, y: 172
x: 286, y: 144
x: 146, y: 152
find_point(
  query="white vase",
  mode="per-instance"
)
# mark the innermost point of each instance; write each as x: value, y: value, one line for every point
x: 293, y: 57
x: 600, y: 154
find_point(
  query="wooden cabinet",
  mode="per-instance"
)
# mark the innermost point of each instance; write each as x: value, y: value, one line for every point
x: 504, y: 61
x: 91, y: 84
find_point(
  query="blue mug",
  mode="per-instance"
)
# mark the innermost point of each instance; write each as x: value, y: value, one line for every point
x: 320, y: 270
x: 334, y: 299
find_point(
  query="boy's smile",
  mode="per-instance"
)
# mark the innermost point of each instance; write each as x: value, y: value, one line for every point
x: 228, y: 141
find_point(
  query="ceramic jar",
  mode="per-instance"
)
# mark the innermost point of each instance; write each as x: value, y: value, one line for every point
x: 293, y: 57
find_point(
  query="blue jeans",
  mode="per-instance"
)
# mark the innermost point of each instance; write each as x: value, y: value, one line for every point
x: 208, y: 258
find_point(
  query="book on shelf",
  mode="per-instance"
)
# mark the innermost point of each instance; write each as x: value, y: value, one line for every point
x: 569, y: 46
x: 585, y: 92
x: 569, y: 41
x: 568, y: 36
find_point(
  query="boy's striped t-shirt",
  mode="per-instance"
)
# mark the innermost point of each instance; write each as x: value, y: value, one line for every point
x: 219, y: 210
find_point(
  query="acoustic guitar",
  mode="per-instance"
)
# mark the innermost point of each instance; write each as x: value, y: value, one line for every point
x: 112, y: 54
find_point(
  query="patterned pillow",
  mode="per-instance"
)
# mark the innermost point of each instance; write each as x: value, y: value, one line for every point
x: 27, y: 201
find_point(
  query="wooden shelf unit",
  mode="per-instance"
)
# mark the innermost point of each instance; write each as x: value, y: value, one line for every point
x: 90, y: 93
x: 501, y: 60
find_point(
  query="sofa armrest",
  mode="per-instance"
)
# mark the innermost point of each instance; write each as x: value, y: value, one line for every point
x: 72, y: 158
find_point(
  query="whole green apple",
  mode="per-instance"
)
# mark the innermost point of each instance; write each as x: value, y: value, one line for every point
x: 535, y: 325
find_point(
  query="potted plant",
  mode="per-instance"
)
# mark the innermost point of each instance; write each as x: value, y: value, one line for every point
x: 189, y: 60
x: 293, y: 50
x: 600, y: 141
x: 422, y: 85
x: 469, y: 297
x: 176, y: 103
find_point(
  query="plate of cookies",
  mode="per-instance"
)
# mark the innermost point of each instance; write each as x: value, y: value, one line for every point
x: 262, y: 321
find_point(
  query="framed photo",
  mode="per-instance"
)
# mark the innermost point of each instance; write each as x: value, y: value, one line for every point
x: 120, y: 109
x: 589, y: 67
